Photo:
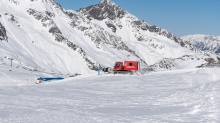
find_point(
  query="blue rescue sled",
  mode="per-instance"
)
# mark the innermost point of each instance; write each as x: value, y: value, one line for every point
x: 49, y: 79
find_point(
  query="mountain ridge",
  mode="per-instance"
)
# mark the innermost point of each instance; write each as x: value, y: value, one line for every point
x: 110, y: 10
x: 208, y: 43
x: 55, y: 40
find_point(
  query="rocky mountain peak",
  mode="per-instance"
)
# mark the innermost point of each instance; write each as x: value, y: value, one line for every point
x: 103, y: 10
x: 211, y: 38
x: 107, y: 1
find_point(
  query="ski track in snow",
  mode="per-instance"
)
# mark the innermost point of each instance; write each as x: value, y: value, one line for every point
x: 176, y: 96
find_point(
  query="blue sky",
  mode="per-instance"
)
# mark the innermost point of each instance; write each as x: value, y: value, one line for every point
x: 180, y: 17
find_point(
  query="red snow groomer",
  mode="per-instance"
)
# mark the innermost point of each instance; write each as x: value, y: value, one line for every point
x: 128, y: 67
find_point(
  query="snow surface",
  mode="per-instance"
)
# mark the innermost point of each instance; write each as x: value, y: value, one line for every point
x: 187, y: 95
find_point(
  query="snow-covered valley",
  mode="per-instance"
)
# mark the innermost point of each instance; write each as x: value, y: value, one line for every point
x: 188, y: 95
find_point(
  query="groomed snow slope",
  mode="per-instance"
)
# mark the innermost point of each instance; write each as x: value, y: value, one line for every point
x: 189, y: 96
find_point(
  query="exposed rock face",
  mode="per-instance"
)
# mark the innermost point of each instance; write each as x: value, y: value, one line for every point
x: 142, y: 25
x: 103, y: 10
x: 112, y: 26
x: 3, y: 35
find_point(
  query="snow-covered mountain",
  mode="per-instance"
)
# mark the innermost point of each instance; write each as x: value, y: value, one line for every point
x: 40, y: 35
x: 117, y: 19
x: 135, y: 32
x: 207, y: 43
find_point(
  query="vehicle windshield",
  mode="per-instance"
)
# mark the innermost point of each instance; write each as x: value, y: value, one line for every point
x: 117, y: 65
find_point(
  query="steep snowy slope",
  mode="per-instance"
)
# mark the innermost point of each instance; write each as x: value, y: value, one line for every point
x: 46, y: 39
x: 33, y: 42
x: 151, y: 42
x: 207, y: 43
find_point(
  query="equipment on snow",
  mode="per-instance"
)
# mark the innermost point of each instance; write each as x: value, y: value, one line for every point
x: 41, y: 80
x: 128, y: 67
